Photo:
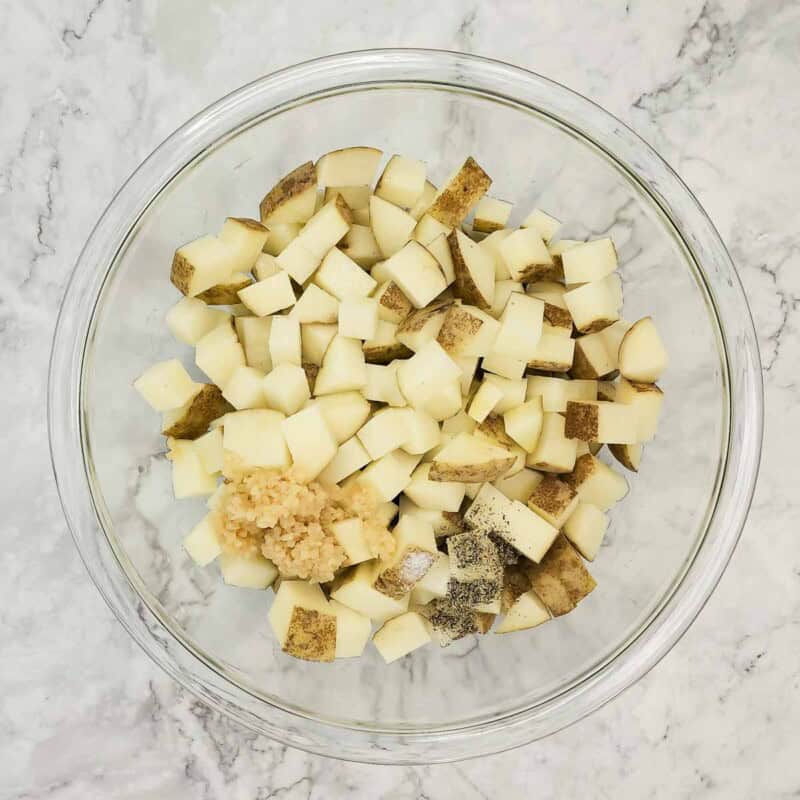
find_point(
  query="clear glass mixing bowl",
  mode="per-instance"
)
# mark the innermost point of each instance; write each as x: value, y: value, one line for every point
x: 668, y: 542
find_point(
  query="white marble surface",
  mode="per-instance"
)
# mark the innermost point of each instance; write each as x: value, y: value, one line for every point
x: 89, y: 87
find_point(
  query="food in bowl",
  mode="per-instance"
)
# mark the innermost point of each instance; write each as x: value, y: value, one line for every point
x: 374, y: 357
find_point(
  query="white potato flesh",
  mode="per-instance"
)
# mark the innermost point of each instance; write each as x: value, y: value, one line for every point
x: 201, y: 264
x: 247, y: 570
x: 554, y: 452
x: 387, y: 477
x: 310, y: 441
x: 343, y: 367
x: 586, y: 528
x: 600, y: 421
x: 645, y: 401
x: 549, y: 291
x: 345, y: 413
x: 189, y: 477
x: 357, y: 197
x: 280, y: 236
x: 285, y: 345
x: 315, y: 305
x: 352, y: 630
x: 255, y: 438
x: 350, y: 457
x: 166, y: 385
x: 524, y: 423
x: 393, y: 305
x: 349, y: 533
x: 467, y: 331
x: 245, y: 389
x: 209, y: 449
x: 440, y: 250
x: 513, y: 392
x: 597, y: 483
x: 422, y: 433
x: 555, y: 392
x: 381, y: 385
x: 474, y: 270
x: 341, y: 277
x: 285, y: 389
x: 357, y: 591
x: 270, y: 295
x: 503, y: 289
x: 428, y: 229
x: 434, y: 583
x: 491, y: 214
x: 326, y: 228
x: 505, y: 366
x: 385, y: 431
x: 245, y: 238
x: 253, y: 333
x: 391, y: 225
x: 424, y: 201
x: 642, y: 355
x: 190, y: 319
x: 592, y: 306
x: 359, y: 243
x: 434, y: 495
x: 400, y: 636
x: 491, y: 245
x: 315, y: 339
x: 350, y: 166
x: 546, y: 225
x: 218, y: 354
x: 358, y: 317
x: 589, y: 261
x: 527, y: 612
x: 484, y: 401
x: 554, y: 353
x: 525, y: 254
x: 519, y: 486
x: 402, y: 181
x: 416, y: 271
x: 203, y: 543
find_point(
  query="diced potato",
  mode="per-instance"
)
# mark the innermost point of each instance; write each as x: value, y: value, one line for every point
x: 316, y: 305
x: 218, y: 354
x: 592, y: 306
x: 642, y: 355
x: 255, y: 439
x: 245, y: 238
x: 314, y: 341
x: 434, y: 583
x: 423, y: 325
x: 415, y: 552
x: 209, y: 449
x: 612, y: 337
x: 519, y: 486
x: 285, y: 345
x: 350, y: 458
x: 253, y: 333
x: 484, y: 401
x: 203, y: 544
x: 303, y: 622
x: 270, y: 295
x: 343, y: 367
x: 391, y: 225
x: 513, y: 392
x: 286, y: 388
x: 352, y: 630
x: 345, y: 413
x: 586, y: 528
x: 402, y: 181
x: 553, y: 353
x: 503, y: 365
x: 596, y: 482
x: 384, y: 348
x: 561, y: 580
x: 468, y: 366
x: 356, y: 590
x: 467, y: 332
x: 528, y: 611
x: 424, y: 201
x: 503, y: 289
x: 327, y: 227
x: 245, y: 389
x: 166, y: 385
x: 470, y: 460
x: 310, y: 441
x: 460, y: 193
x: 192, y: 420
x: 440, y: 250
x: 444, y: 403
x: 429, y: 229
x: 592, y: 359
x: 349, y: 533
x: 520, y: 327
x: 549, y: 291
x: 297, y: 261
x: 422, y: 375
x: 555, y: 392
x: 553, y: 500
x: 247, y: 570
x: 189, y: 476
x: 387, y: 477
x: 589, y: 261
x: 422, y: 432
x: 359, y: 243
x: 340, y: 276
x: 350, y: 166
x: 386, y: 431
x: 491, y: 214
x: 393, y: 305
x: 554, y: 451
x: 557, y: 321
x: 491, y: 245
x: 400, y: 636
x: 190, y: 319
x: 493, y: 430
x: 474, y: 271
x: 381, y: 385
x: 434, y: 495
x: 524, y: 423
x: 357, y: 197
x: 280, y: 236
x: 545, y: 225
x: 417, y: 273
x: 292, y: 199
x: 201, y: 264
x: 358, y: 317
x: 600, y: 421
x: 527, y: 257
x: 629, y: 455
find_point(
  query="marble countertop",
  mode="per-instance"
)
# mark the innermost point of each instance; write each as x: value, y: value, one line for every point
x: 88, y: 88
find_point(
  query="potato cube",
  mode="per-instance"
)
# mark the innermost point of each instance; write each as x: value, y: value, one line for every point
x: 340, y: 276
x: 203, y: 544
x: 285, y: 346
x: 310, y: 441
x: 391, y: 225
x: 356, y: 590
x: 209, y: 449
x: 255, y: 438
x: 644, y: 400
x: 190, y: 319
x: 281, y: 235
x: 393, y: 305
x: 417, y: 273
x: 358, y: 317
x: 586, y: 528
x: 498, y: 363
x: 303, y: 622
x: 314, y: 341
x: 344, y: 412
x: 553, y: 353
x: 218, y: 354
x: 359, y: 243
x: 415, y: 552
x: 519, y: 486
x: 423, y: 325
x: 385, y: 432
x: 553, y: 500
x: 253, y: 333
x: 642, y: 355
x: 561, y: 580
x: 460, y: 193
x: 201, y: 264
x: 244, y: 389
x: 520, y: 327
x: 349, y: 533
x: 400, y: 636
x: 434, y: 583
x: 596, y: 482
x: 422, y: 433
x: 286, y: 388
x: 542, y: 222
x: 503, y: 289
x: 247, y: 570
x: 467, y: 331
x: 189, y: 476
x: 491, y: 214
x: 526, y: 612
x: 484, y: 401
x: 326, y: 228
x: 387, y: 477
x: 420, y: 376
x: 600, y: 421
x: 468, y: 459
x: 245, y: 238
x: 350, y: 458
x: 166, y: 385
x: 343, y: 367
x: 424, y: 201
x: 556, y: 392
x: 349, y: 166
x: 554, y: 451
x: 270, y: 295
x: 381, y: 385
x: 434, y: 495
x: 491, y: 246
x: 524, y: 423
x: 384, y: 347
x: 592, y: 306
x: 474, y: 271
x: 513, y: 392
x: 352, y: 630
x: 315, y: 305
x: 526, y: 256
x: 402, y: 181
x: 468, y: 366
x: 429, y: 229
x: 592, y: 359
x: 192, y: 420
x: 550, y: 292
x: 292, y: 199
x: 440, y: 250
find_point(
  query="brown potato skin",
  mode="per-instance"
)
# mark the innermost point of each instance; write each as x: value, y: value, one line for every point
x: 464, y: 286
x: 223, y: 294
x: 582, y: 421
x: 181, y: 273
x: 207, y: 405
x: 311, y: 635
x: 417, y: 320
x: 395, y: 301
x: 459, y: 325
x: 561, y: 580
x: 291, y: 185
x: 386, y: 353
x: 470, y: 473
x: 460, y: 195
x: 620, y: 452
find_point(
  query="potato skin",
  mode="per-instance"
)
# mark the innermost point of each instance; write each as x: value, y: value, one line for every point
x: 224, y: 294
x: 561, y: 580
x: 181, y: 273
x: 464, y: 286
x: 386, y: 353
x: 207, y: 405
x: 457, y: 198
x: 291, y: 185
x: 470, y: 473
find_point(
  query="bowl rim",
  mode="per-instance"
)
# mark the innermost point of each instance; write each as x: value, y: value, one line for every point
x: 654, y: 175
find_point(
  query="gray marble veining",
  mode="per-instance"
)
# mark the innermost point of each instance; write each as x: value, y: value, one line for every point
x: 87, y: 89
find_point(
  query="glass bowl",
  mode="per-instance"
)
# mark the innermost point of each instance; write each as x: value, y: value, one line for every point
x: 668, y: 542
